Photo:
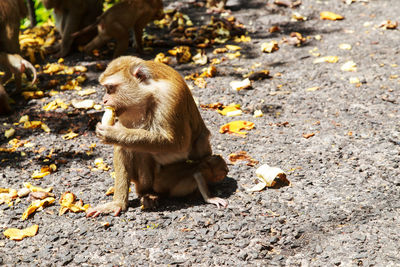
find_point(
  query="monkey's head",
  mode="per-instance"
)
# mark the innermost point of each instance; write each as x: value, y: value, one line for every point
x: 125, y: 81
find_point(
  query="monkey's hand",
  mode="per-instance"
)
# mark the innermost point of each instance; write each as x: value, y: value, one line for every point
x: 219, y: 202
x: 107, y: 134
x: 110, y: 207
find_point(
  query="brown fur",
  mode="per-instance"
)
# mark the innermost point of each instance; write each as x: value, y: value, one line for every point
x: 72, y: 16
x: 117, y: 21
x: 4, y: 106
x: 158, y: 125
x: 11, y: 12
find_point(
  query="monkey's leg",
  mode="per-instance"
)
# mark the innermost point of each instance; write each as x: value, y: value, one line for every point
x: 122, y: 166
x: 121, y: 36
x: 4, y: 106
x: 72, y: 22
x: 99, y: 41
x: 144, y: 185
x: 138, y: 30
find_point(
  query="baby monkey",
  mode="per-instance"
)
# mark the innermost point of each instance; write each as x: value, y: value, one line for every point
x: 161, y: 143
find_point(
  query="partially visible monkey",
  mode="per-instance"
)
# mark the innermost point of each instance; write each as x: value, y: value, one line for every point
x: 4, y: 106
x: 183, y: 178
x: 11, y: 12
x: 15, y: 64
x: 31, y: 12
x: 72, y: 16
x: 117, y: 22
x: 158, y: 125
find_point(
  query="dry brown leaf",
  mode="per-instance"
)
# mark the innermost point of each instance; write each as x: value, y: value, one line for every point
x: 306, y: 136
x: 389, y: 25
x: 242, y: 156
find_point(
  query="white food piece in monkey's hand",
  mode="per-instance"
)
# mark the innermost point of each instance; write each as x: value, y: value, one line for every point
x: 108, y: 116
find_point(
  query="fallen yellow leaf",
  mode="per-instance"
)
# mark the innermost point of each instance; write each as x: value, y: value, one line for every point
x: 70, y: 135
x: 37, y: 188
x: 230, y: 109
x: 35, y: 205
x: 327, y: 15
x: 233, y: 47
x: 10, y: 132
x: 327, y: 59
x: 235, y: 127
x: 68, y: 203
x: 17, y: 234
x: 349, y: 66
x: 269, y: 47
x: 44, y: 171
x: 162, y: 58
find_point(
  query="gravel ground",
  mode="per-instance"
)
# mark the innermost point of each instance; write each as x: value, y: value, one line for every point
x: 342, y: 207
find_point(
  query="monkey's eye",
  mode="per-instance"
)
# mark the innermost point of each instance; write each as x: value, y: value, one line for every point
x: 110, y: 88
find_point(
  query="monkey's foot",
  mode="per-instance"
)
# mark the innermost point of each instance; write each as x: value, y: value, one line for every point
x: 219, y: 202
x: 149, y: 201
x: 110, y: 207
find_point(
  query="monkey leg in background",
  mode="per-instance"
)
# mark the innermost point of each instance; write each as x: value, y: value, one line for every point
x: 4, y: 107
x: 158, y: 124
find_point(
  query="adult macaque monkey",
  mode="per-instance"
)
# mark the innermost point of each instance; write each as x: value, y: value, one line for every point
x: 160, y: 141
x: 116, y: 23
x: 72, y: 16
x: 15, y: 64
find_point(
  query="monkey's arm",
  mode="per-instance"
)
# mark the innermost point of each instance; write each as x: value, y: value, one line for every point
x: 201, y: 183
x: 121, y: 188
x: 143, y: 140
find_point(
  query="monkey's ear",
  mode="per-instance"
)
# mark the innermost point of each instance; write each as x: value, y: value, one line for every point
x: 140, y: 73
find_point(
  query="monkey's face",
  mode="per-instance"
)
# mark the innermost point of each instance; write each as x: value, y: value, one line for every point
x: 125, y: 80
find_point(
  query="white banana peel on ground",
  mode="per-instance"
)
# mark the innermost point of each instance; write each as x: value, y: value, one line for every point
x: 267, y: 177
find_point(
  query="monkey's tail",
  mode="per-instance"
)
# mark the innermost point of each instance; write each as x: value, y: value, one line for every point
x: 85, y: 30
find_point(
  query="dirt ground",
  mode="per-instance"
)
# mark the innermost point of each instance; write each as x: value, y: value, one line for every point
x: 342, y: 206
